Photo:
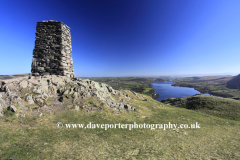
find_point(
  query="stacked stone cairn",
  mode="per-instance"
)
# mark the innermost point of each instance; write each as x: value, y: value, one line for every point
x: 52, y: 54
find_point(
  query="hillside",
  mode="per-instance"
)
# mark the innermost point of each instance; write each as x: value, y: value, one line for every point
x: 214, y: 85
x: 234, y: 83
x: 221, y: 107
x: 136, y: 84
x: 46, y: 103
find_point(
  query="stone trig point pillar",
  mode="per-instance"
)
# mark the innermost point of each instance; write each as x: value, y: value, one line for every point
x: 52, y: 54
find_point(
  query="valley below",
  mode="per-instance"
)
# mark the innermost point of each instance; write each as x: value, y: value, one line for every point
x: 214, y: 85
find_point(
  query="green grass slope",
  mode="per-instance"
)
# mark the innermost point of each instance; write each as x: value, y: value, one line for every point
x: 39, y: 138
x: 221, y: 107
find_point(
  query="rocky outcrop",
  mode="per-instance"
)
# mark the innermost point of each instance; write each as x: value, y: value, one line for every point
x: 12, y: 108
x: 119, y: 106
x: 1, y: 111
x: 27, y: 93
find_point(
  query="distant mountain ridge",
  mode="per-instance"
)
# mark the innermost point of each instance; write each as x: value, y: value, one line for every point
x: 4, y: 77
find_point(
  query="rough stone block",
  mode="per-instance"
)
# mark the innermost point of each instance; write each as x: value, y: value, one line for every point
x: 53, y: 50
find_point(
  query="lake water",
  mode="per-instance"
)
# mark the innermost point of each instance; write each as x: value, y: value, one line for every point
x: 165, y: 90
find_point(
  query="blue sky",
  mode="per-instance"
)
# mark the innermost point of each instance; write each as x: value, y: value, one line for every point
x: 128, y: 37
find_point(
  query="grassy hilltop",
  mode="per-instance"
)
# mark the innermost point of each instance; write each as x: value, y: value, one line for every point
x: 37, y: 137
